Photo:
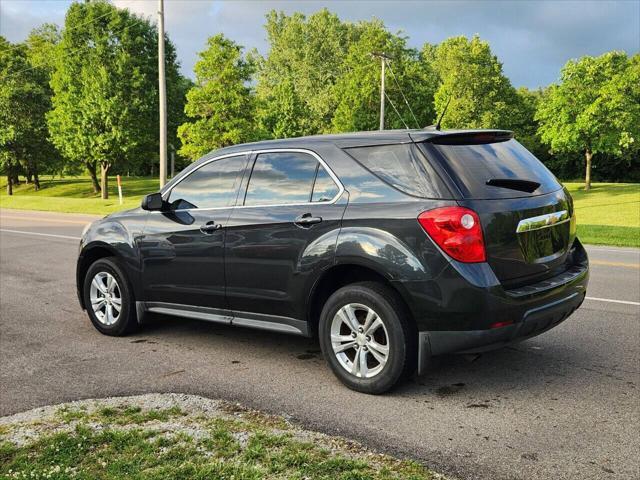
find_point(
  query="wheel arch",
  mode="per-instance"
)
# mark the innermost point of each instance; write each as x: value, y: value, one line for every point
x: 344, y: 274
x: 90, y: 254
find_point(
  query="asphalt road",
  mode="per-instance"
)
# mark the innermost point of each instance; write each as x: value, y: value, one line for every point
x: 563, y: 405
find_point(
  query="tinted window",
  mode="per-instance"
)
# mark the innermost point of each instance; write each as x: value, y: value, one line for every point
x: 281, y: 178
x: 403, y: 167
x: 213, y: 185
x: 474, y: 165
x: 325, y: 189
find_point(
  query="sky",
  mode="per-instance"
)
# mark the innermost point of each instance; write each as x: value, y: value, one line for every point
x: 533, y: 39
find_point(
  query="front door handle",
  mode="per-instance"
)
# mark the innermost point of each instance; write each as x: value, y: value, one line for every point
x: 210, y: 227
x: 307, y: 220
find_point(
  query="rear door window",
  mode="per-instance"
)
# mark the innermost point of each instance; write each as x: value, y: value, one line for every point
x: 475, y: 167
x: 403, y: 167
x: 288, y: 178
x: 324, y: 188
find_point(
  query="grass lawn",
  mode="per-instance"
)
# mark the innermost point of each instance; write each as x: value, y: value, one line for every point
x: 609, y: 214
x: 75, y: 195
x: 182, y: 437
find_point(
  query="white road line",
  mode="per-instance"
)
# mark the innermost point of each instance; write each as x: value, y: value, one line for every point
x: 67, y: 237
x: 614, y: 250
x: 610, y: 300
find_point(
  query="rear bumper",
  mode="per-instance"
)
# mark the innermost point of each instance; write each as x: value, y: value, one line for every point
x: 527, y: 312
x: 535, y: 322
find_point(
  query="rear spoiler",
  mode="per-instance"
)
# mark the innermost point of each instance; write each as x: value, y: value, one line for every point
x: 464, y: 137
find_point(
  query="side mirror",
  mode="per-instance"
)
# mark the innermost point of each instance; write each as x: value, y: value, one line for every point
x: 153, y: 201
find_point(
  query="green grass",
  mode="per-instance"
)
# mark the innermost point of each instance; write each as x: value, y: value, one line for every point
x: 75, y: 195
x: 127, y: 441
x: 608, y: 214
x: 119, y: 416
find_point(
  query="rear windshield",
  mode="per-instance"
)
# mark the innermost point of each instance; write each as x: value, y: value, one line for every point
x: 472, y: 167
x: 403, y: 167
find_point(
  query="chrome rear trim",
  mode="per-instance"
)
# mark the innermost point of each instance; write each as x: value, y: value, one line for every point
x: 543, y: 221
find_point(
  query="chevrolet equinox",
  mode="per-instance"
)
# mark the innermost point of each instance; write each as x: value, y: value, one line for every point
x: 390, y: 246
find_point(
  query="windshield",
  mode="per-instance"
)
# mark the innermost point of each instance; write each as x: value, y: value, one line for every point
x: 491, y: 170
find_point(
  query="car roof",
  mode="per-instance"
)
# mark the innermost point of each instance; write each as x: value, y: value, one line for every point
x: 353, y: 139
x: 341, y: 140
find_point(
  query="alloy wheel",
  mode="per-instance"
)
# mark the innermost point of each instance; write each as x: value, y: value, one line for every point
x: 360, y: 340
x: 106, y: 298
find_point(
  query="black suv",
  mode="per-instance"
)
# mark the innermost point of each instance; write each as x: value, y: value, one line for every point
x: 391, y: 246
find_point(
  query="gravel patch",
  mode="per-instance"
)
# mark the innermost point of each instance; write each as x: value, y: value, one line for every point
x: 191, y: 415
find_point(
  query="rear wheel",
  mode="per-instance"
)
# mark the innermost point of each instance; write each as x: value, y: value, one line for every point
x: 108, y: 298
x: 365, y: 337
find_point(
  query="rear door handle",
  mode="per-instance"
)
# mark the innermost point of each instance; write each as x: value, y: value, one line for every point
x: 306, y: 220
x: 210, y: 227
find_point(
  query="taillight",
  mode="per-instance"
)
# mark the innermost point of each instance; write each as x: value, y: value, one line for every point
x: 457, y: 231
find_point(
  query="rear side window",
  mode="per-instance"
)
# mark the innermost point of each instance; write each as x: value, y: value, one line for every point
x: 285, y: 178
x: 472, y: 166
x: 403, y: 167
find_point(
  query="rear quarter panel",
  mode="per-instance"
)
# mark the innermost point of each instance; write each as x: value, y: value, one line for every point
x: 380, y: 231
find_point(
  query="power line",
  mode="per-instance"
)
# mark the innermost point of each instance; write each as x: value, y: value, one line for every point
x: 396, y: 110
x: 402, y: 93
x: 67, y: 30
x: 15, y: 74
x: 67, y: 54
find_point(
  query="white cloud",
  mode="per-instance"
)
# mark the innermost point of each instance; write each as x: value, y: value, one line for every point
x: 533, y: 39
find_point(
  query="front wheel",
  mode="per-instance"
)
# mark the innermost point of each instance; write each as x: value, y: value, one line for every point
x: 365, y: 337
x: 108, y: 298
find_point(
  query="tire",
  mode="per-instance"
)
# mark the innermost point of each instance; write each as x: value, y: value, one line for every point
x: 336, y: 332
x: 105, y: 316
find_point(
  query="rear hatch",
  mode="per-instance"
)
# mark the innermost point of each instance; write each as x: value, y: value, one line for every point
x: 527, y: 217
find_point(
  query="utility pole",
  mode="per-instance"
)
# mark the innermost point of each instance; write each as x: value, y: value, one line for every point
x: 382, y: 94
x: 383, y: 60
x: 173, y: 160
x: 162, y: 89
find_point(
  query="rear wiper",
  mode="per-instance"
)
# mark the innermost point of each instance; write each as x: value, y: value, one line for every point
x: 514, y: 184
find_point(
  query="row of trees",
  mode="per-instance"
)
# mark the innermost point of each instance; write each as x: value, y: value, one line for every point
x: 25, y: 99
x: 85, y: 98
x: 319, y: 76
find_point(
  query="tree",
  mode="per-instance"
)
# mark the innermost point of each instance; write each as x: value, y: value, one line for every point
x: 105, y: 89
x: 221, y: 105
x: 24, y: 100
x: 296, y: 80
x: 358, y: 89
x: 177, y: 89
x: 594, y: 109
x: 472, y: 78
x: 525, y: 124
x: 283, y: 114
x: 41, y: 47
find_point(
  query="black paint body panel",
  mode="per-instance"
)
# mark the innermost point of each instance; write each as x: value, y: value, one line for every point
x: 271, y: 263
x: 261, y: 263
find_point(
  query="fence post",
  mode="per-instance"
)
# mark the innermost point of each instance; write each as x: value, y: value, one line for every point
x: 119, y: 189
